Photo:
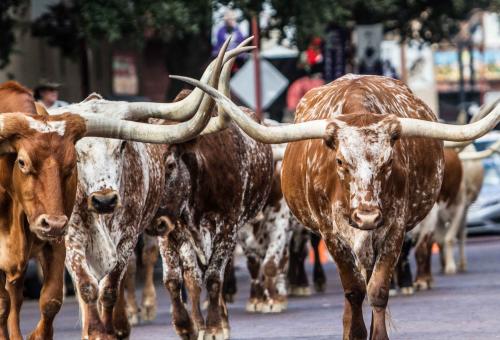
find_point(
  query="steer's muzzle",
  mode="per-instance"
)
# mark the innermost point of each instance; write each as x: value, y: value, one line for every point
x: 366, y: 219
x: 103, y: 202
x: 50, y: 226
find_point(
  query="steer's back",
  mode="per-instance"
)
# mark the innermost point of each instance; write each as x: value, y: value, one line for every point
x: 308, y: 181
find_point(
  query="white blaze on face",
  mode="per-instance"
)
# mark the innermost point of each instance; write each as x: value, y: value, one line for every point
x: 100, y: 164
x: 58, y: 127
x: 366, y: 151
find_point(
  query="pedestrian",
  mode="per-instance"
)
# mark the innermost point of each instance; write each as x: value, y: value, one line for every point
x: 229, y: 28
x: 47, y: 93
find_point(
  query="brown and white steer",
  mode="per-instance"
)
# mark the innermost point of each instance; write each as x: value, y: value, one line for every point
x: 215, y: 184
x: 265, y: 244
x: 356, y: 171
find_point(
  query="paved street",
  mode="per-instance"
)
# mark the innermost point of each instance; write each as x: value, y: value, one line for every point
x: 466, y: 306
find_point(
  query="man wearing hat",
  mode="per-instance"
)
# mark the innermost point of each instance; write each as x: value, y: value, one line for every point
x: 47, y: 93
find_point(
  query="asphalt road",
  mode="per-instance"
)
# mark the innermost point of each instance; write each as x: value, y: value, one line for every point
x: 465, y: 306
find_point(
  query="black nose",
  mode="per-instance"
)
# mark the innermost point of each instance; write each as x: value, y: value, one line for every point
x: 104, y: 203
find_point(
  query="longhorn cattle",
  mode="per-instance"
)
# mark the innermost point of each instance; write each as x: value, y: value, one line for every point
x: 210, y: 198
x: 357, y: 171
x: 38, y: 184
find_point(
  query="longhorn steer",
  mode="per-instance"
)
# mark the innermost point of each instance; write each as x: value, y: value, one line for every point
x: 368, y: 181
x: 216, y: 183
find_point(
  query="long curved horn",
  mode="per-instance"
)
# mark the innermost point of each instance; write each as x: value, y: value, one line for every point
x: 264, y: 134
x: 101, y: 126
x: 477, y: 155
x: 422, y: 128
x: 138, y: 111
x: 316, y: 129
x: 483, y: 112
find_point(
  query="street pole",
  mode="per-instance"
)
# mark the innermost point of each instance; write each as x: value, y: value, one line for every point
x: 256, y: 60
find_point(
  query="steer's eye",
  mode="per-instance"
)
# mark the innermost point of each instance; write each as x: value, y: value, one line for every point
x: 22, y: 163
x: 339, y: 162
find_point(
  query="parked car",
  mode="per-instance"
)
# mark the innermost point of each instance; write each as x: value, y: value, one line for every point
x: 484, y: 213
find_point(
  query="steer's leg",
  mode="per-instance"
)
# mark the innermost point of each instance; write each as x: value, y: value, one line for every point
x: 423, y: 257
x: 112, y: 299
x: 405, y: 279
x: 15, y: 289
x: 51, y: 296
x: 129, y: 282
x: 378, y: 285
x: 248, y: 239
x: 299, y: 285
x: 278, y: 230
x: 354, y: 288
x: 230, y: 287
x: 319, y: 276
x: 193, y: 281
x: 149, y: 257
x: 462, y: 239
x: 4, y: 308
x: 172, y: 279
x: 450, y: 237
x: 217, y: 323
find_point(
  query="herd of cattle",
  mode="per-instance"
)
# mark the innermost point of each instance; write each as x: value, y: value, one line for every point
x: 363, y: 167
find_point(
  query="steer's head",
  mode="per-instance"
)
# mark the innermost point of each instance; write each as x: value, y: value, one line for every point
x: 38, y: 159
x: 363, y: 146
x: 100, y: 164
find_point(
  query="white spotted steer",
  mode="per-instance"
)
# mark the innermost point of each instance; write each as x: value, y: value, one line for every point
x: 118, y: 193
x: 265, y: 243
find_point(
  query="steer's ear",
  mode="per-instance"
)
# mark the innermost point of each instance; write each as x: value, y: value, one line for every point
x: 74, y: 128
x: 393, y: 128
x: 6, y: 147
x: 330, y: 138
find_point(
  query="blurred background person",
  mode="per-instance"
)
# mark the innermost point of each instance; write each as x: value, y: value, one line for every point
x: 47, y: 93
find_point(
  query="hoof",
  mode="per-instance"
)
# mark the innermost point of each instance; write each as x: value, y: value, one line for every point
x: 300, y: 291
x: 320, y: 287
x: 462, y: 268
x: 273, y: 306
x: 215, y: 335
x: 122, y: 335
x: 34, y: 336
x: 133, y: 319
x: 450, y: 270
x: 102, y: 336
x: 393, y: 292
x: 148, y: 312
x: 422, y: 285
x: 229, y: 298
x: 407, y: 290
x: 226, y: 332
x: 254, y: 306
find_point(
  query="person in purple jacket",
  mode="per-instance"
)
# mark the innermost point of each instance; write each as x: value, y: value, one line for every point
x: 230, y: 27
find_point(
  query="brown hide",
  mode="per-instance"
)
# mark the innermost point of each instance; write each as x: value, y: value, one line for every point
x: 452, y: 177
x: 363, y: 170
